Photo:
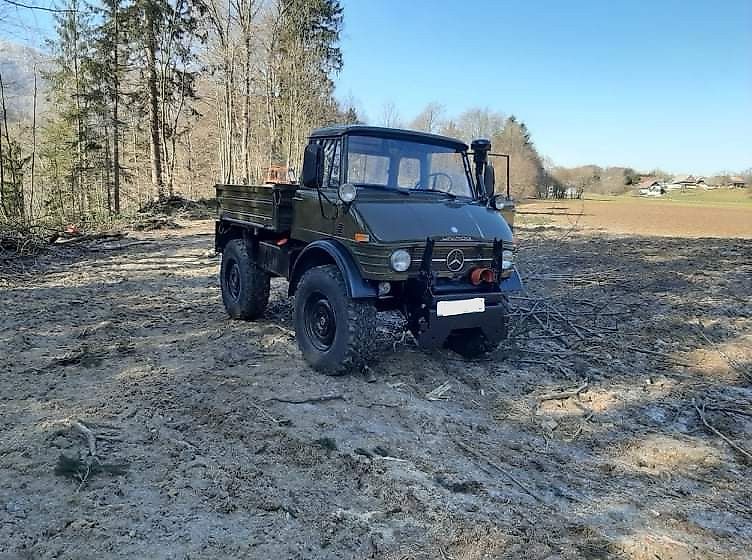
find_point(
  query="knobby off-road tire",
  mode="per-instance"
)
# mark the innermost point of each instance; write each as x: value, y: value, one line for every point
x: 245, y: 286
x: 470, y: 343
x: 334, y: 332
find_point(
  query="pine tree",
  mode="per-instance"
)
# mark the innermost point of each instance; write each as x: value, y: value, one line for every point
x: 109, y: 72
x: 526, y: 167
x: 165, y: 34
x: 12, y: 164
x: 307, y: 53
x: 71, y: 82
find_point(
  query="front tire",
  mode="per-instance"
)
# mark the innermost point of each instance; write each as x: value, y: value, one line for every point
x: 245, y: 286
x: 334, y: 332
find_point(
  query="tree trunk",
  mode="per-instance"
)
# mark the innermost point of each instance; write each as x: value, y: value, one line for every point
x: 134, y: 158
x: 79, y: 127
x: 33, y: 146
x: 189, y: 162
x: 16, y: 206
x: 59, y: 189
x: 247, y: 114
x: 108, y: 163
x: 2, y: 164
x: 229, y: 122
x: 115, y: 123
x: 155, y: 144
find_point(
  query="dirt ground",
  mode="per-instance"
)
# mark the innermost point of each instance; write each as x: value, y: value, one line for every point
x: 667, y: 218
x: 582, y: 437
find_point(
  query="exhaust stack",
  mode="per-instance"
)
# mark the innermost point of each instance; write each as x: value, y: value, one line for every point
x: 480, y: 148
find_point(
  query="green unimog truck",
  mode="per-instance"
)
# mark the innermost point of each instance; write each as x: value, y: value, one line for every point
x: 382, y: 219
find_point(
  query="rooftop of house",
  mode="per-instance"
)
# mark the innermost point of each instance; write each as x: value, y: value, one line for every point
x: 648, y: 182
x: 689, y: 179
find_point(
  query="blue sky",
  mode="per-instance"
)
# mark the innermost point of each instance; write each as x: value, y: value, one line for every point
x: 654, y: 83
x: 664, y: 83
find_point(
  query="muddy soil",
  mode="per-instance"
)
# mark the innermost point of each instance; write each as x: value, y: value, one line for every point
x: 582, y: 437
x: 649, y: 217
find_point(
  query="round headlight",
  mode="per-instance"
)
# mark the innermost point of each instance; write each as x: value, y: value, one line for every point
x: 502, y: 204
x: 400, y: 260
x: 347, y: 192
x: 507, y: 260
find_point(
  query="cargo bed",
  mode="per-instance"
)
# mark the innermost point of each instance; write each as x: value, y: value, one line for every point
x: 263, y: 206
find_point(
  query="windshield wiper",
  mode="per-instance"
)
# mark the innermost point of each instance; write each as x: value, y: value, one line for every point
x: 384, y: 188
x: 450, y: 195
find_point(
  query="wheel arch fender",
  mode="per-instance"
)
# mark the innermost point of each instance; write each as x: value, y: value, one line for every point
x: 225, y: 231
x: 327, y: 251
x: 513, y: 283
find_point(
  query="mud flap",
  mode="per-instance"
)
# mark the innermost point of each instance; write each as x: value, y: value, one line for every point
x: 493, y: 323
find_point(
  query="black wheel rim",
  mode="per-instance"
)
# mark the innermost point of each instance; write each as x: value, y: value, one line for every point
x: 232, y: 278
x: 320, y: 324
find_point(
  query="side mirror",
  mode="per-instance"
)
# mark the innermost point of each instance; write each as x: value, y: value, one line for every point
x: 489, y: 180
x: 313, y: 169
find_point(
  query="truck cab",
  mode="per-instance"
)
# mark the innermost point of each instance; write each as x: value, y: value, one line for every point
x: 382, y: 219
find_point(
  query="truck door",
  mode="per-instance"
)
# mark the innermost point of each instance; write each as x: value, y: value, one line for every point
x: 314, y: 211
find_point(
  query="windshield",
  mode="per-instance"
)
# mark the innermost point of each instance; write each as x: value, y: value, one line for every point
x: 404, y: 164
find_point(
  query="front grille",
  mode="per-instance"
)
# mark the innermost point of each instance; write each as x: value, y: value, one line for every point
x: 373, y: 259
x: 475, y: 254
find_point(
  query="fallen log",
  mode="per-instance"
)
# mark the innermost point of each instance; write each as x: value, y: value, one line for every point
x: 89, y: 237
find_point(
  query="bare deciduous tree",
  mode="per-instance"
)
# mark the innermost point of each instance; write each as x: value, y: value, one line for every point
x: 430, y: 119
x: 390, y: 115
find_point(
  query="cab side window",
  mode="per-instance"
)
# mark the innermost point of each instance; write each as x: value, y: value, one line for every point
x: 331, y: 162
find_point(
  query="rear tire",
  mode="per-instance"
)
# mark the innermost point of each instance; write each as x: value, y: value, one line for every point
x: 245, y: 286
x: 470, y: 343
x: 334, y: 332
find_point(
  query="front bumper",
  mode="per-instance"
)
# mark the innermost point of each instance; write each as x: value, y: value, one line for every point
x: 432, y: 330
x: 492, y: 322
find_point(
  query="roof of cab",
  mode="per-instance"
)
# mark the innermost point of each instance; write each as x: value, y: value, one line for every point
x: 384, y: 132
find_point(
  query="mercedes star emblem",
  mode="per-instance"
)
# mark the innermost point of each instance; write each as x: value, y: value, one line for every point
x: 453, y: 229
x: 455, y: 260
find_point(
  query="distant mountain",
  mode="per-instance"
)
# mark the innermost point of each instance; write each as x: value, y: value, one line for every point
x: 17, y: 63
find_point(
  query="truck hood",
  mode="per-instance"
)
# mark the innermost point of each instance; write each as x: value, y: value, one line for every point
x: 415, y: 220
